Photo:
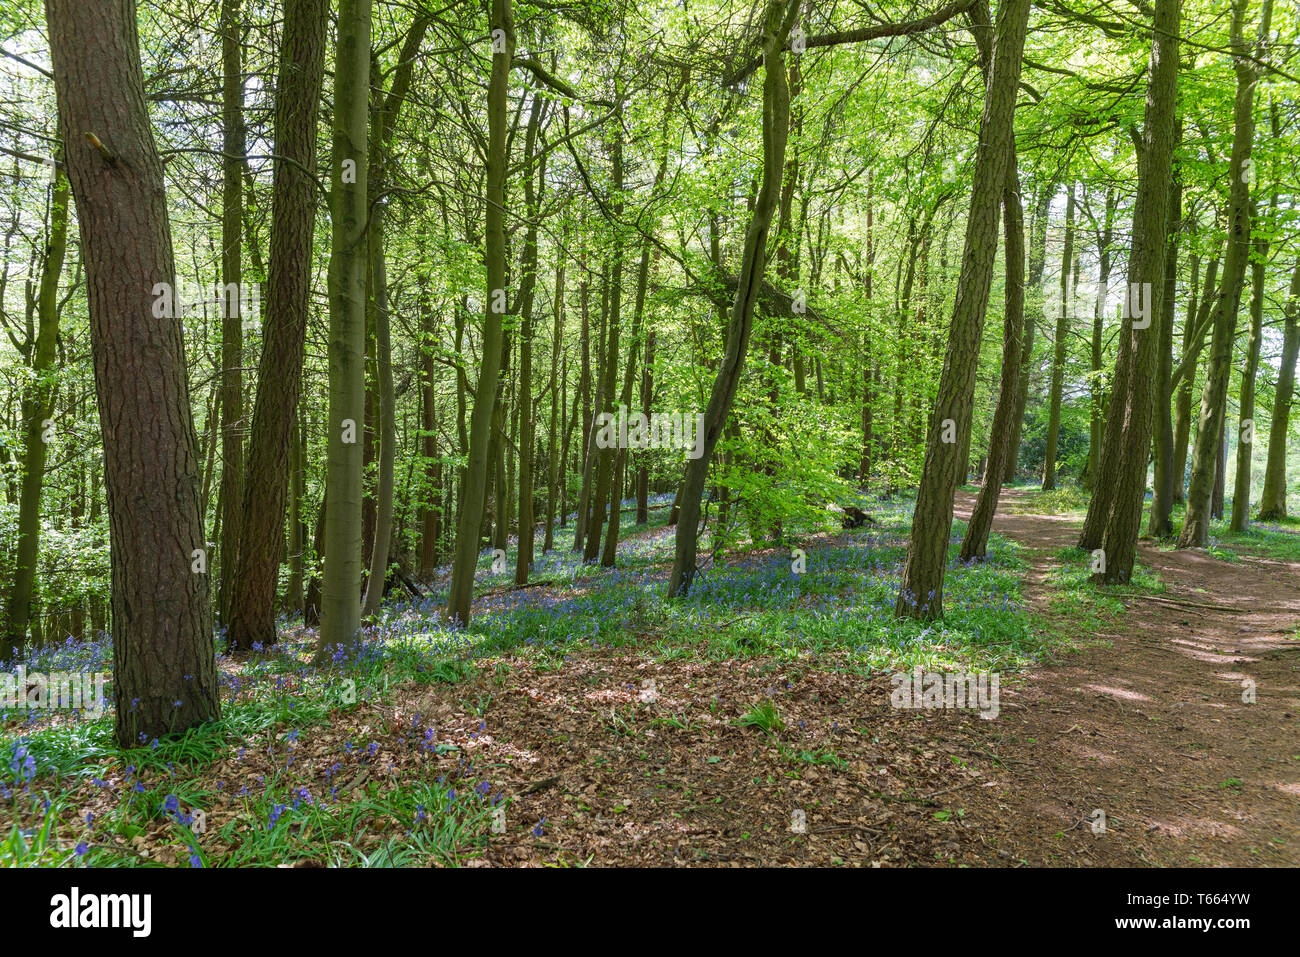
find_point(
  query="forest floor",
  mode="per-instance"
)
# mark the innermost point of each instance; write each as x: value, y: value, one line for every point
x: 1136, y: 749
x: 584, y: 720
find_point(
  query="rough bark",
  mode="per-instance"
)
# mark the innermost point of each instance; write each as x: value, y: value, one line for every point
x: 164, y: 667
x: 284, y: 330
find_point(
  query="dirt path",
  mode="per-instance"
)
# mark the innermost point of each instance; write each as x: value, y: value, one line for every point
x: 622, y: 756
x: 1149, y: 725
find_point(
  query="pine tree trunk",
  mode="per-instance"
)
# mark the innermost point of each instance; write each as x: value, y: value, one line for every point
x: 164, y: 666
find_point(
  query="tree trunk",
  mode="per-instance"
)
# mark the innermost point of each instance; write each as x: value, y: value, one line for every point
x: 1064, y: 313
x: 1272, y: 501
x: 777, y: 25
x: 1214, y: 400
x: 279, y: 373
x: 231, y: 300
x: 37, y: 407
x: 349, y: 205
x: 1037, y: 261
x: 557, y: 443
x: 975, y: 543
x: 1162, y: 443
x: 1097, y: 414
x: 527, y: 287
x: 164, y: 666
x: 921, y: 594
x: 1126, y: 461
x: 1193, y: 343
x: 1246, y: 432
x: 470, y: 519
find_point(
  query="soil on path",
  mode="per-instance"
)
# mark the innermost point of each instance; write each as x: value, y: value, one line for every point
x: 619, y: 757
x: 1153, y: 725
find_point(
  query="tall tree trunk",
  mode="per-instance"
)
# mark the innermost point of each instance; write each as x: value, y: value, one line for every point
x: 558, y: 439
x: 1125, y: 462
x: 37, y: 407
x: 605, y: 457
x: 1064, y: 313
x: 279, y: 373
x: 164, y: 666
x: 349, y: 205
x: 232, y: 279
x: 297, y: 530
x: 1162, y: 442
x: 1096, y: 418
x: 527, y: 287
x: 1272, y: 501
x: 1214, y: 400
x: 470, y: 519
x: 387, y: 107
x: 1246, y: 431
x: 431, y: 513
x: 1037, y: 262
x: 921, y: 594
x: 777, y: 24
x: 1013, y: 223
x: 1193, y: 343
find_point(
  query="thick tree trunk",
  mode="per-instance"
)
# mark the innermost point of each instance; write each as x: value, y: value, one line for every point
x: 1013, y: 222
x: 279, y: 374
x: 164, y: 667
x: 1134, y: 405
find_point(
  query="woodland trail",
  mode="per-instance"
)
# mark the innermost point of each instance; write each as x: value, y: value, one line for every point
x: 1148, y: 724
